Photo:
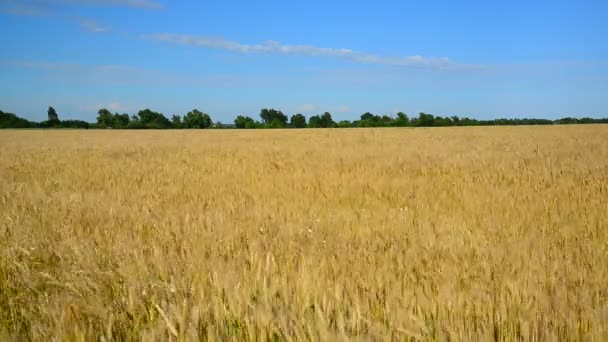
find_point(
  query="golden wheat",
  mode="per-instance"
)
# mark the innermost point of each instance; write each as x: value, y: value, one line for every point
x: 400, y: 234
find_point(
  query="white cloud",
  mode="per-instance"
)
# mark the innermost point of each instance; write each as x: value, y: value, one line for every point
x: 24, y: 8
x: 91, y: 74
x: 272, y: 46
x: 342, y: 109
x: 50, y: 7
x: 115, y: 106
x: 315, y: 109
x: 307, y: 108
x: 92, y: 26
x: 145, y: 4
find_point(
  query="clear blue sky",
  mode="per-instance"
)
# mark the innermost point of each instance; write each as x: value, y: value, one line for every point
x: 482, y: 59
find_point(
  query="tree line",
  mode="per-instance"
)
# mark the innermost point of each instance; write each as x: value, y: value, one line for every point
x: 269, y: 118
x: 10, y: 120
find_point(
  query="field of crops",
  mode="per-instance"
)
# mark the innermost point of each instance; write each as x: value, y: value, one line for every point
x: 441, y: 233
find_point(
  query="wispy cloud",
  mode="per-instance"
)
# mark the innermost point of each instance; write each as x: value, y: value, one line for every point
x: 342, y: 109
x: 351, y: 78
x: 91, y: 26
x: 25, y: 8
x: 115, y: 74
x: 272, y: 46
x: 50, y: 9
x: 307, y: 108
x: 42, y: 7
x: 114, y: 106
x: 88, y: 74
x: 55, y: 8
x: 145, y: 4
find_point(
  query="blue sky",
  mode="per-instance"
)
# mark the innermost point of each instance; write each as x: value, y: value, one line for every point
x: 482, y: 59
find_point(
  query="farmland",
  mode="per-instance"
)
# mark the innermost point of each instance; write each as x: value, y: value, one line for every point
x: 463, y: 233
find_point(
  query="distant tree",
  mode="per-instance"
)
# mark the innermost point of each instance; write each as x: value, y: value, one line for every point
x: 585, y: 120
x: 240, y: 121
x: 105, y: 119
x: 53, y: 117
x: 426, y: 120
x: 370, y: 120
x: 367, y: 116
x: 385, y: 120
x: 467, y: 122
x: 298, y: 121
x: 121, y: 120
x: 344, y: 124
x: 402, y: 120
x: 315, y: 121
x: 244, y: 122
x: 74, y: 124
x: 10, y: 120
x: 326, y: 120
x: 277, y: 123
x: 567, y: 121
x: 176, y: 121
x: 440, y: 121
x: 135, y: 123
x: 197, y: 119
x: 250, y: 123
x: 149, y: 119
x: 273, y: 118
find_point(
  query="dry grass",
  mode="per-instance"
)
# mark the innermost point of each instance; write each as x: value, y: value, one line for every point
x: 456, y: 233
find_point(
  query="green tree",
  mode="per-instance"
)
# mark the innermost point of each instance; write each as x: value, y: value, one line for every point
x: 367, y: 116
x: 273, y: 118
x: 53, y: 117
x: 176, y: 121
x: 244, y: 122
x: 440, y: 121
x: 298, y: 121
x: 327, y: 121
x: 314, y: 121
x: 10, y: 120
x: 386, y: 120
x: 239, y: 122
x: 74, y: 124
x: 121, y: 120
x: 105, y: 119
x: 402, y: 120
x: 426, y: 120
x: 146, y: 118
x: 276, y: 123
x: 197, y: 119
x: 370, y: 120
x: 345, y: 124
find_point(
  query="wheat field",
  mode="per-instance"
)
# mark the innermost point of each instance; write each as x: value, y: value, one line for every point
x: 487, y: 233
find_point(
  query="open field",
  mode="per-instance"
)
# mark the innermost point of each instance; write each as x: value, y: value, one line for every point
x: 462, y: 233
